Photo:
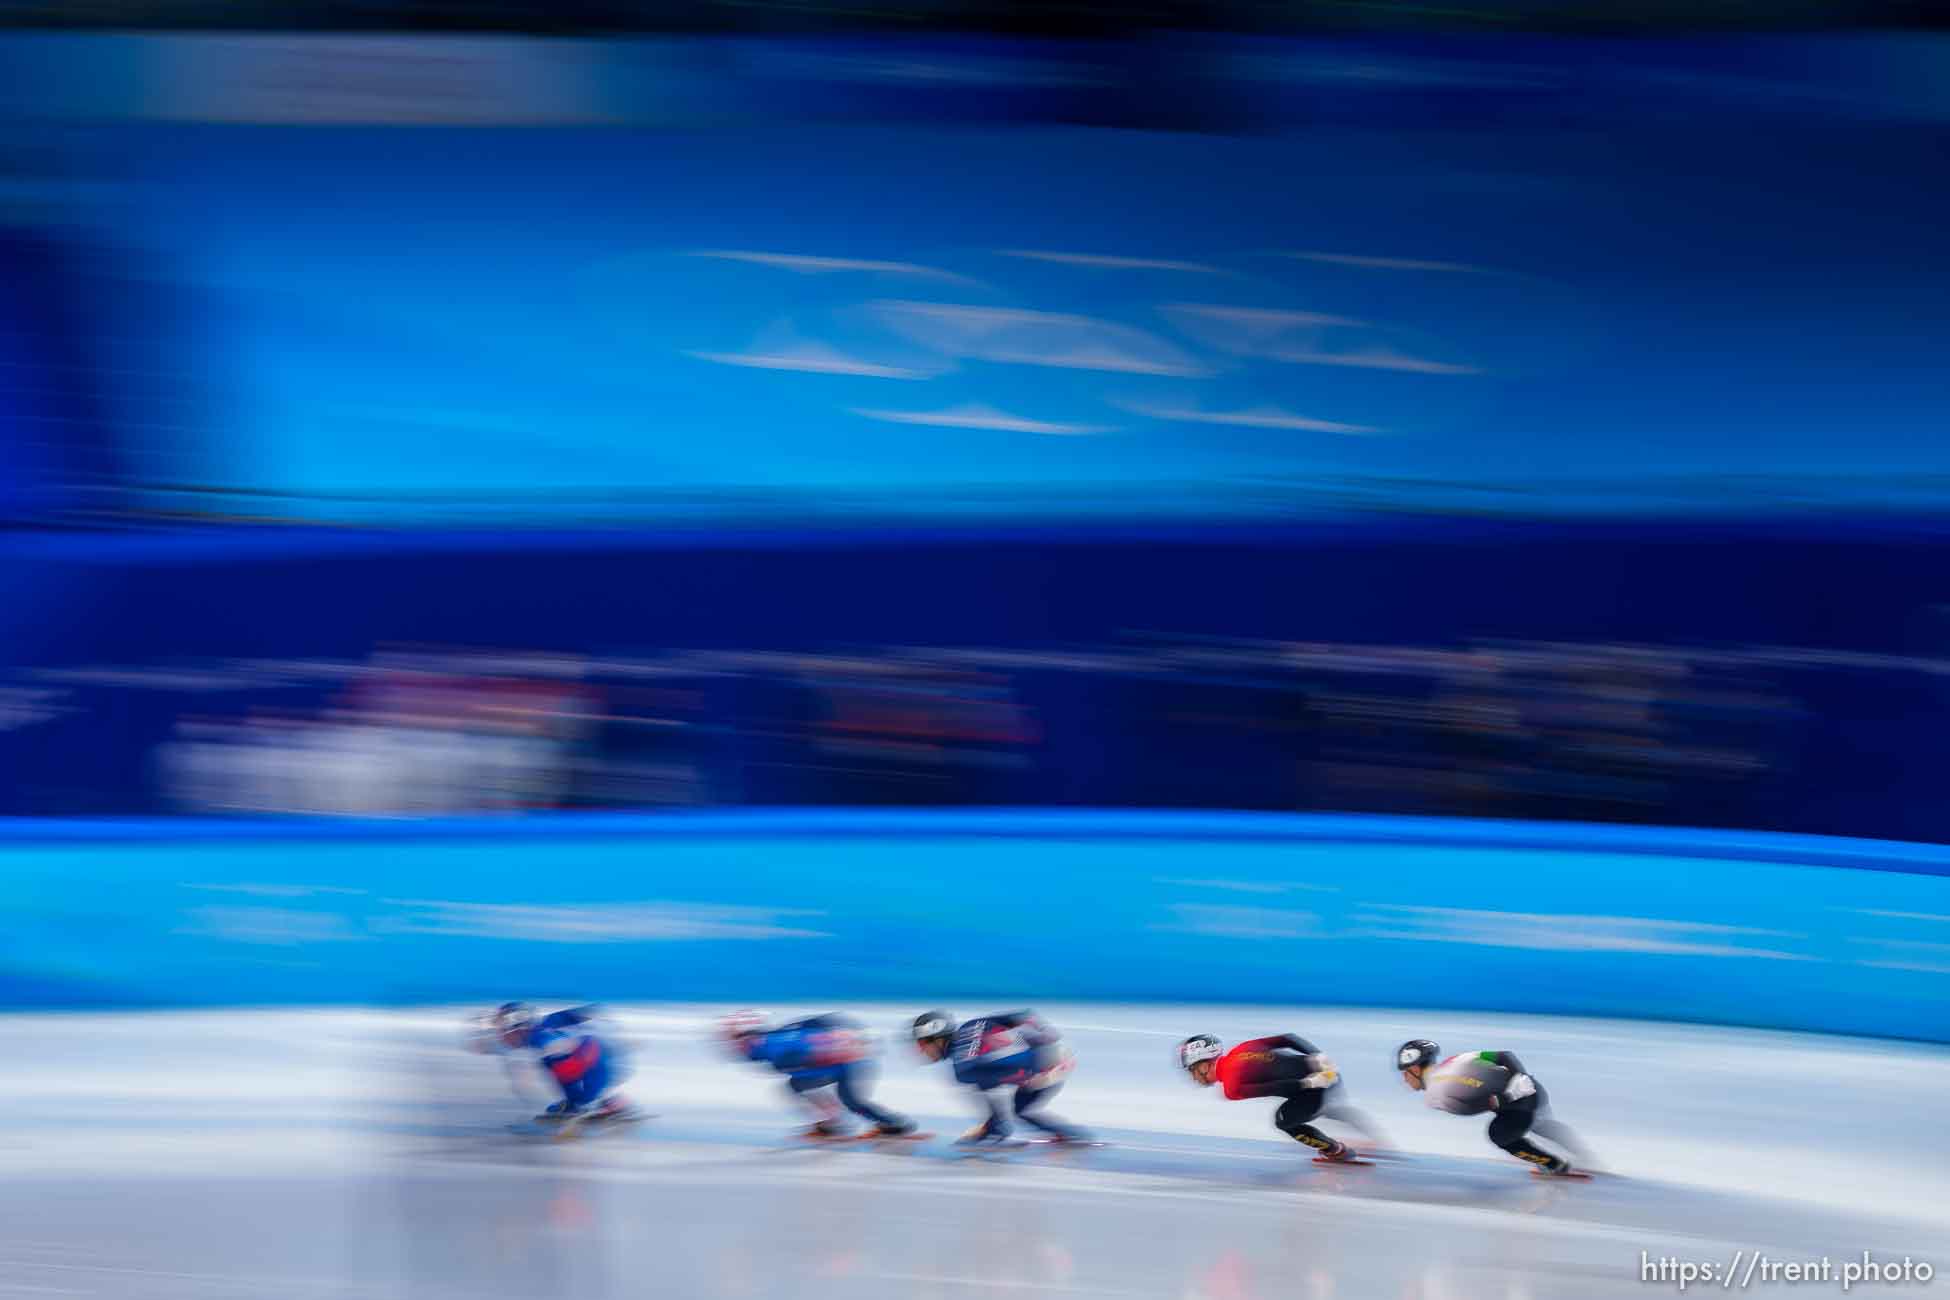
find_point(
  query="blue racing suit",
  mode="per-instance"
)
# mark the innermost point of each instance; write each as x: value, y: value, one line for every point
x: 582, y: 1064
x: 1015, y: 1049
x: 828, y: 1051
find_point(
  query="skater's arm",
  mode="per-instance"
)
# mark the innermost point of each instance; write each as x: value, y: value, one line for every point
x: 836, y: 1043
x: 1321, y: 1071
x: 1291, y: 1043
x: 1520, y: 1085
x: 1276, y: 1067
x: 571, y: 1056
x: 1035, y: 1030
x: 805, y: 1047
x: 1238, y: 1089
x: 773, y: 1049
x: 980, y: 1044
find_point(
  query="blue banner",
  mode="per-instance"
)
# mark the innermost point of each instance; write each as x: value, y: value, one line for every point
x: 1748, y: 930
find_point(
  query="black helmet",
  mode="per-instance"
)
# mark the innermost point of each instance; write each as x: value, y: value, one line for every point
x: 1416, y: 1051
x: 933, y: 1024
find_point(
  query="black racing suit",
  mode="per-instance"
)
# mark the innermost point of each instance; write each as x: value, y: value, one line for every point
x: 1474, y: 1082
x: 1280, y: 1067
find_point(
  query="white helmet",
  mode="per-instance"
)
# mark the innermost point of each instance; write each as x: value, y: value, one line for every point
x: 1200, y: 1047
x: 736, y: 1025
x: 514, y: 1017
x: 932, y: 1024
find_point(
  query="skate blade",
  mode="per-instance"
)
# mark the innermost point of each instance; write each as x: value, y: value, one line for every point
x: 618, y: 1121
x: 889, y: 1137
x: 990, y: 1148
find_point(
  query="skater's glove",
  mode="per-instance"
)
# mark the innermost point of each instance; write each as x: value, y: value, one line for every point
x: 980, y: 1133
x: 1519, y: 1087
x: 1324, y: 1075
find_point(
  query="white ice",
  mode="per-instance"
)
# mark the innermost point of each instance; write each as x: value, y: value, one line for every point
x: 355, y: 1152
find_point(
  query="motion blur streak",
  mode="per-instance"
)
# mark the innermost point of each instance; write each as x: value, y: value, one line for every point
x: 568, y: 562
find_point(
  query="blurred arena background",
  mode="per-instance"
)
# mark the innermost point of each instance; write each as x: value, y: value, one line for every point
x: 1509, y: 413
x: 1344, y: 408
x: 1357, y: 504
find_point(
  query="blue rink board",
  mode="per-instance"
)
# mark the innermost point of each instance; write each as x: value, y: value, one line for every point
x: 1121, y: 907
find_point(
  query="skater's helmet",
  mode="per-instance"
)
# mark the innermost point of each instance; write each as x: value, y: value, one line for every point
x: 513, y: 1020
x: 1200, y: 1047
x: 933, y: 1024
x: 1416, y: 1051
x: 737, y: 1026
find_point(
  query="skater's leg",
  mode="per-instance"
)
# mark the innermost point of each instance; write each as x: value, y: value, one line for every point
x: 853, y: 1082
x: 592, y: 1094
x: 1558, y: 1133
x: 600, y: 1091
x: 1511, y: 1131
x: 995, y: 1124
x: 1292, y: 1116
x: 810, y: 1091
x: 585, y: 1089
x: 1029, y: 1100
x: 1355, y: 1118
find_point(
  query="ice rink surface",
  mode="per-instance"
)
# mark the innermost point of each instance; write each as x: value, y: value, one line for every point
x: 363, y: 1153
